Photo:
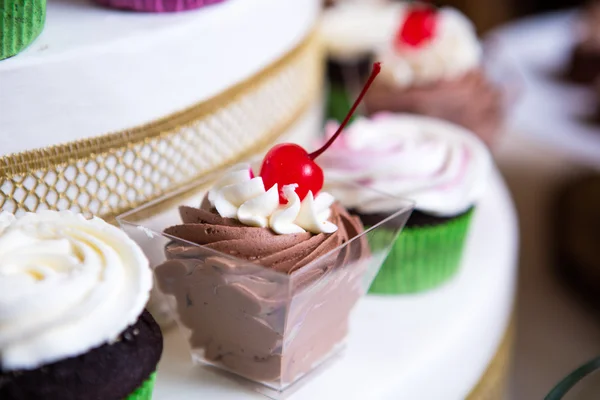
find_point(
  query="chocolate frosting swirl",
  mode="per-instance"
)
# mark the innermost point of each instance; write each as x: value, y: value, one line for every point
x: 471, y: 101
x: 267, y: 324
x: 284, y: 253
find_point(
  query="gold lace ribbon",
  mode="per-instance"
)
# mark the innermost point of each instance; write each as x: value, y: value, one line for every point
x: 116, y: 172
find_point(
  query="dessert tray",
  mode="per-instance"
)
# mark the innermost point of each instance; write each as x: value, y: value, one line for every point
x: 435, y: 345
x: 551, y: 110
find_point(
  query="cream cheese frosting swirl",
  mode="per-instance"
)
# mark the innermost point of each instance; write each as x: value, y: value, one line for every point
x: 442, y: 167
x: 239, y: 195
x: 67, y: 285
x: 453, y: 51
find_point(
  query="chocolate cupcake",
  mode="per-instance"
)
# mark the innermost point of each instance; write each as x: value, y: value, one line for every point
x: 72, y: 297
x: 21, y: 22
x: 585, y: 61
x: 442, y: 167
x: 431, y: 65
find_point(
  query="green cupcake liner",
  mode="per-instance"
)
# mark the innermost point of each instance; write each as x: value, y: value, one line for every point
x: 21, y: 21
x: 338, y: 103
x: 422, y: 257
x: 144, y: 392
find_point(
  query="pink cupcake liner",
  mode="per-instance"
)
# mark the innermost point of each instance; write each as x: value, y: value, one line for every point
x: 157, y: 6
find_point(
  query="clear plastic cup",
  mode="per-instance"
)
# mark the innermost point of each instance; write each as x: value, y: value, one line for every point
x: 269, y: 327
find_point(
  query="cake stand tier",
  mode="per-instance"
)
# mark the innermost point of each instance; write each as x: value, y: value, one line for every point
x: 435, y: 345
x: 551, y: 110
x: 109, y: 109
x: 94, y: 70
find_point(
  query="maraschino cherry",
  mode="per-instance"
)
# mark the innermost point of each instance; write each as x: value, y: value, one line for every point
x: 418, y: 28
x: 288, y: 163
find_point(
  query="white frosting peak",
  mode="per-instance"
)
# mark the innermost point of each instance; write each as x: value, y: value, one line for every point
x: 453, y: 51
x: 283, y: 220
x: 238, y: 195
x: 442, y: 167
x: 67, y: 285
x: 314, y: 213
x: 256, y: 211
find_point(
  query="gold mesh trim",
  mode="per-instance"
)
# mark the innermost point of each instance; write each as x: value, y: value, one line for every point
x: 116, y: 172
x: 494, y: 382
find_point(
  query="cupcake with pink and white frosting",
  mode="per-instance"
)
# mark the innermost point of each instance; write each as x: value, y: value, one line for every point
x: 442, y: 167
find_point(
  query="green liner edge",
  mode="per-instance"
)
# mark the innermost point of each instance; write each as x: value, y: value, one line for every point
x: 144, y: 392
x: 423, y: 257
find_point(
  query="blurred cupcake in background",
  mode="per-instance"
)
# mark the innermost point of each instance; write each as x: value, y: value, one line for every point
x: 72, y: 319
x: 442, y: 167
x: 585, y: 60
x: 432, y: 65
x: 352, y: 31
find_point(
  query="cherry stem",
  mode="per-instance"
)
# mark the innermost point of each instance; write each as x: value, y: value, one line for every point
x: 376, y: 70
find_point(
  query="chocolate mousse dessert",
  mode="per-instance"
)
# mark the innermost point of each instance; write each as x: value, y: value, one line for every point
x: 254, y: 321
x: 266, y: 271
x: 433, y: 67
x: 585, y: 61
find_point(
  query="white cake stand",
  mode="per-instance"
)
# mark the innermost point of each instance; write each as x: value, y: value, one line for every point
x: 431, y: 346
x: 551, y: 110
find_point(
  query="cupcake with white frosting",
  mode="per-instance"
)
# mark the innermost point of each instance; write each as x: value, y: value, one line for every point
x: 72, y: 319
x: 352, y: 31
x: 442, y: 167
x: 431, y: 65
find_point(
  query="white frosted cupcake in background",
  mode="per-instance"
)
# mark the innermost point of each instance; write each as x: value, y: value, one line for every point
x: 352, y: 32
x: 432, y: 64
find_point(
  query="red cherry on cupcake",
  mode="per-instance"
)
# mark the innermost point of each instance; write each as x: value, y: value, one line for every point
x: 288, y: 163
x: 418, y: 28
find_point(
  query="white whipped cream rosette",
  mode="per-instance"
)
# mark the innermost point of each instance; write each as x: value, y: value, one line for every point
x: 243, y: 197
x: 67, y: 285
x: 453, y: 51
x: 442, y: 167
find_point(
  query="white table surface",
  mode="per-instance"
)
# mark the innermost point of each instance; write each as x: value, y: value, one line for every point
x: 430, y: 346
